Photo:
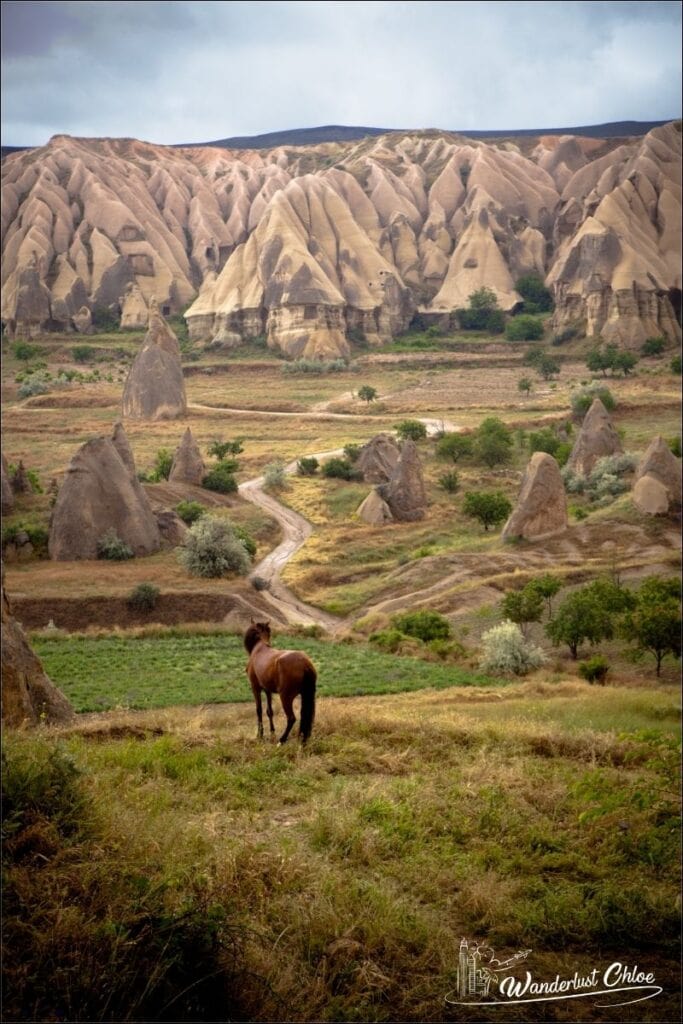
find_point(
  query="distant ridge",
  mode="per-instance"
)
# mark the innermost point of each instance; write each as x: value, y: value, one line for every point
x: 352, y: 133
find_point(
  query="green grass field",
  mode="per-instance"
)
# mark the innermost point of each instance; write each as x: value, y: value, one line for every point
x: 98, y: 673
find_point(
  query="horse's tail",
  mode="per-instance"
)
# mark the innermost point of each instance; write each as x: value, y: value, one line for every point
x: 307, y: 702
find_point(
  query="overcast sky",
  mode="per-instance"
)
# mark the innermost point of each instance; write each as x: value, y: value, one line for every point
x: 194, y: 71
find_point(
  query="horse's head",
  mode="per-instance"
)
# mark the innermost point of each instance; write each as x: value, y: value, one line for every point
x: 257, y: 632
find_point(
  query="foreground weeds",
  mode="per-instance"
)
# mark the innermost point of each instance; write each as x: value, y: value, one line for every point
x: 162, y: 865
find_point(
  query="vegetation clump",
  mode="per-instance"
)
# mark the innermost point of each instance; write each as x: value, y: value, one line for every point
x: 489, y: 507
x: 144, y: 597
x: 423, y: 625
x: 524, y: 328
x: 221, y: 477
x: 505, y: 650
x: 190, y: 511
x: 213, y: 548
x: 583, y: 398
x: 482, y: 313
x: 112, y: 548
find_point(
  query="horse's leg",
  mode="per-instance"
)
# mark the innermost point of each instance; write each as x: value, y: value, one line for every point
x: 259, y: 709
x: 269, y: 711
x: 287, y: 702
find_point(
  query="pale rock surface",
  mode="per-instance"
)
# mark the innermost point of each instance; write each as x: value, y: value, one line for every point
x: 596, y: 438
x: 651, y: 496
x: 101, y: 491
x: 155, y: 387
x: 374, y: 510
x: 188, y: 466
x: 405, y: 492
x: 541, y: 509
x: 659, y: 463
x: 378, y: 459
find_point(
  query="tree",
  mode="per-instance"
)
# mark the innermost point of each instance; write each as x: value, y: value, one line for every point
x: 453, y: 447
x: 366, y: 393
x: 654, y: 625
x: 522, y: 606
x: 525, y: 385
x: 524, y: 328
x: 547, y: 586
x: 489, y: 507
x: 544, y: 440
x: 582, y: 399
x: 537, y: 298
x: 221, y: 478
x: 222, y: 448
x: 599, y: 361
x: 624, y: 361
x: 411, y: 430
x: 548, y: 367
x: 162, y: 465
x: 483, y: 313
x: 493, y: 442
x: 580, y: 617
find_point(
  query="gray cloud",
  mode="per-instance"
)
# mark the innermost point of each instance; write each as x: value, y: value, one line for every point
x: 183, y: 71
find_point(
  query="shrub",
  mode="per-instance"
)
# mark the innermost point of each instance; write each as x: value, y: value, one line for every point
x: 352, y: 451
x: 212, y: 548
x: 143, y: 598
x: 341, y: 469
x: 544, y: 440
x: 534, y: 292
x: 524, y: 328
x: 274, y: 476
x: 483, y: 313
x: 23, y: 351
x: 653, y: 346
x: 259, y: 583
x: 525, y: 385
x: 40, y: 781
x: 105, y: 320
x: 453, y: 447
x: 162, y: 465
x: 190, y: 511
x: 388, y: 639
x: 301, y: 366
x: 112, y: 548
x: 489, y: 507
x: 533, y: 356
x: 83, y: 353
x: 522, y: 606
x: 582, y: 399
x: 221, y: 478
x: 450, y: 482
x: 675, y: 446
x: 307, y: 465
x: 548, y: 367
x: 675, y: 364
x: 411, y: 430
x: 493, y: 443
x: 222, y: 448
x: 433, y: 331
x: 367, y: 393
x: 505, y: 650
x: 34, y: 384
x: 595, y: 669
x: 565, y: 335
x: 37, y: 533
x: 423, y: 625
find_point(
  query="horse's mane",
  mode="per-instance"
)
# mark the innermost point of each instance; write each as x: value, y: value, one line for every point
x: 252, y: 636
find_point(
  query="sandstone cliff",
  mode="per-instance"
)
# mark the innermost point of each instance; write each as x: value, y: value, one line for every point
x: 317, y: 247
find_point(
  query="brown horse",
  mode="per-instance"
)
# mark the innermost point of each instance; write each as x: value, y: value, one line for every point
x: 288, y: 673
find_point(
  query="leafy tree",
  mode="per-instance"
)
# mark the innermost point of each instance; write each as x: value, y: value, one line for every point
x: 212, y: 549
x: 352, y: 451
x: 493, y: 443
x: 162, y: 465
x: 222, y: 448
x: 537, y: 298
x: 544, y: 440
x: 483, y: 313
x: 453, y: 447
x: 412, y: 430
x: 580, y: 617
x: 489, y: 507
x: 624, y: 361
x: 423, y: 625
x: 504, y: 649
x: 599, y: 361
x: 525, y: 385
x: 583, y: 399
x: 483, y: 298
x: 366, y: 393
x: 548, y: 367
x: 524, y: 328
x: 533, y: 356
x: 547, y: 586
x: 522, y: 606
x: 654, y: 625
x: 610, y: 595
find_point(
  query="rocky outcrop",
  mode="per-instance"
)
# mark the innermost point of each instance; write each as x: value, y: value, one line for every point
x: 20, y: 480
x: 657, y: 482
x: 101, y: 492
x: 541, y: 509
x: 378, y: 459
x: 171, y: 527
x: 29, y: 697
x: 7, y: 492
x: 319, y: 246
x: 596, y: 438
x: 155, y: 387
x: 188, y: 466
x: 374, y: 510
x: 405, y: 492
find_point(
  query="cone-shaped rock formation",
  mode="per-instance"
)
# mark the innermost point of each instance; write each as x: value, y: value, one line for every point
x: 155, y: 387
x: 405, y: 492
x: 596, y: 439
x: 657, y: 484
x: 374, y: 510
x: 378, y: 459
x: 188, y: 466
x: 541, y: 509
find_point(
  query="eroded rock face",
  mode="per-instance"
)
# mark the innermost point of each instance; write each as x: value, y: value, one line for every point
x: 541, y: 509
x: 658, y: 465
x: 100, y: 492
x: 188, y: 466
x: 7, y: 492
x: 374, y: 510
x: 319, y: 246
x: 28, y: 695
x: 378, y: 459
x: 171, y: 527
x: 155, y: 387
x: 596, y: 438
x: 405, y: 492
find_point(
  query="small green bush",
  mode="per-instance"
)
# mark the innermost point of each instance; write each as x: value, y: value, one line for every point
x: 534, y: 292
x: 162, y: 465
x: 489, y: 507
x: 505, y: 650
x: 112, y: 548
x: 675, y: 446
x: 34, y: 384
x: 40, y: 781
x: 143, y: 598
x: 213, y: 549
x: 653, y: 346
x: 450, y: 482
x: 221, y: 478
x: 423, y: 625
x: 223, y: 448
x: 23, y: 351
x: 388, y: 639
x: 302, y: 366
x: 524, y: 328
x: 352, y: 451
x: 83, y: 353
x: 104, y: 320
x: 582, y: 399
x: 411, y: 430
x: 307, y: 465
x: 676, y: 364
x: 190, y: 511
x: 341, y: 469
x: 246, y: 538
x: 595, y: 669
x: 274, y: 476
